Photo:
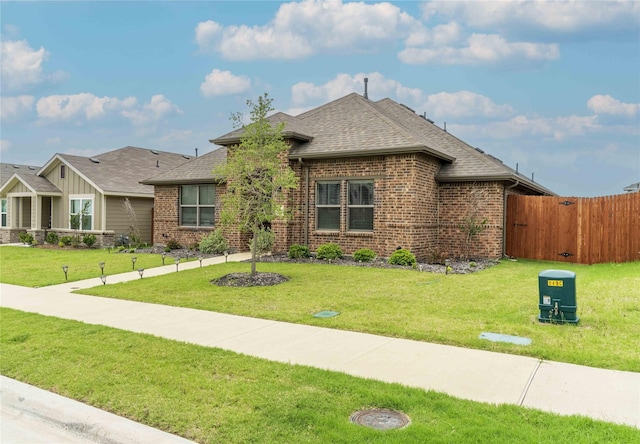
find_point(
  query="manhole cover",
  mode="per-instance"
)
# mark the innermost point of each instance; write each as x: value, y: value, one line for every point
x: 326, y: 314
x: 380, y: 419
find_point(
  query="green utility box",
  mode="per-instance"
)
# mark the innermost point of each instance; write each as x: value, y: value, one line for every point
x: 557, y: 296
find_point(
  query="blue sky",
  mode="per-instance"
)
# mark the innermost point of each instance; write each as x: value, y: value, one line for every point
x: 551, y: 86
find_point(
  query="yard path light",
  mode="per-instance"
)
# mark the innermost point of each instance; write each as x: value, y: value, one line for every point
x: 163, y: 256
x: 140, y: 271
x: 177, y: 263
x: 200, y: 259
x: 133, y: 262
x: 103, y: 278
x: 226, y: 255
x: 65, y: 268
x: 101, y: 264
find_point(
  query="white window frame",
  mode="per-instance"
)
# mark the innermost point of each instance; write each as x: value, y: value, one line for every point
x: 198, y: 205
x: 81, y: 198
x: 320, y: 206
x: 351, y: 206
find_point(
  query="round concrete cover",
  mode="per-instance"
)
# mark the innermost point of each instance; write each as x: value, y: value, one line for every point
x: 380, y: 419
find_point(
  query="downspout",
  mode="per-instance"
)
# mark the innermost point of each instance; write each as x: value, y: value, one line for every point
x: 504, y: 218
x: 306, y: 201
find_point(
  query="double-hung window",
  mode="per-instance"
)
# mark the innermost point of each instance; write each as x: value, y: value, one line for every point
x: 81, y: 213
x: 328, y: 206
x: 3, y: 202
x: 197, y: 205
x: 360, y: 205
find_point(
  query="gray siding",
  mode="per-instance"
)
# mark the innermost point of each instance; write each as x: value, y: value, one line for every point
x: 118, y: 220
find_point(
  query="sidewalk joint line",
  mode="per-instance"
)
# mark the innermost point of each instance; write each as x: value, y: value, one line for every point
x: 529, y: 382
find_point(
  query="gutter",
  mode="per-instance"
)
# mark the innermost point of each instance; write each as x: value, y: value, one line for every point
x: 305, y: 167
x: 504, y: 217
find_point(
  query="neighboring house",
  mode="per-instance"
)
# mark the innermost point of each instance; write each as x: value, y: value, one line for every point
x: 38, y: 200
x: 372, y: 175
x: 633, y: 188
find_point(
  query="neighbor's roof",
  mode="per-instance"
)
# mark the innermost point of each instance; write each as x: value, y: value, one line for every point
x: 120, y: 171
x: 197, y: 170
x: 12, y: 173
x: 293, y: 129
x: 355, y: 126
x: 632, y: 188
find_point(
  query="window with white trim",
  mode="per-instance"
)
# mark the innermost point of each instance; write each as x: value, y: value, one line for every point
x: 328, y: 206
x: 81, y: 213
x: 197, y: 205
x: 3, y: 203
x: 360, y: 205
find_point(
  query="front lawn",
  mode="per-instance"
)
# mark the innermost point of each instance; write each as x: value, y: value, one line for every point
x: 39, y: 267
x: 215, y: 396
x: 448, y: 309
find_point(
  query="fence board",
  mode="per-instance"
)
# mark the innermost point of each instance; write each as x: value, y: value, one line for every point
x: 571, y: 229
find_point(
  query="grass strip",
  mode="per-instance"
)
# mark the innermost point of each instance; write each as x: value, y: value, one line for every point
x: 209, y: 395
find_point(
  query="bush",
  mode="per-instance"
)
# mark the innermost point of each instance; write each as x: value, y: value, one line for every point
x: 89, y: 239
x: 173, y: 244
x: 66, y: 240
x: 402, y: 257
x: 213, y: 243
x: 329, y: 251
x: 297, y: 251
x: 364, y: 255
x: 264, y: 241
x: 26, y: 238
x: 437, y: 256
x: 60, y: 244
x: 52, y: 238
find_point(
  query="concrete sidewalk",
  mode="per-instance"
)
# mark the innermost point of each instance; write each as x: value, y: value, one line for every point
x: 465, y: 373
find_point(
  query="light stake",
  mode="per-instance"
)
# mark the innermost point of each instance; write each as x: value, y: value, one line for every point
x: 103, y: 278
x: 133, y: 262
x: 163, y: 256
x: 141, y: 270
x: 200, y: 259
x: 101, y: 264
x: 65, y: 268
x: 177, y: 263
x: 226, y: 255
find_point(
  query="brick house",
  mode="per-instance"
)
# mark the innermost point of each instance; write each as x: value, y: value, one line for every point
x: 43, y: 199
x: 371, y: 175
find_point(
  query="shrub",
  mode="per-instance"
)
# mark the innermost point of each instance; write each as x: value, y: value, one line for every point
x: 52, y: 238
x: 297, y: 251
x: 264, y: 241
x: 26, y: 238
x: 437, y: 256
x: 89, y: 239
x: 60, y: 244
x: 173, y: 244
x: 66, y: 240
x: 329, y: 251
x: 402, y: 257
x: 364, y: 255
x: 213, y: 243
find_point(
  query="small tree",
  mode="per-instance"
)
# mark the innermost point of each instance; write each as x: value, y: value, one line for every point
x: 257, y: 174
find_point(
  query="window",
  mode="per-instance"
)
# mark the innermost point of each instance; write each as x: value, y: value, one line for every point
x: 3, y: 202
x: 328, y: 206
x: 81, y: 213
x: 360, y: 205
x: 197, y: 205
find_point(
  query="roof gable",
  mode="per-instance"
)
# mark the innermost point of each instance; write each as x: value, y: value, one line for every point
x: 294, y: 128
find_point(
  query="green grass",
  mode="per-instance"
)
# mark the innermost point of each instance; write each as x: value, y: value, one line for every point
x: 451, y: 309
x: 37, y: 267
x: 210, y: 396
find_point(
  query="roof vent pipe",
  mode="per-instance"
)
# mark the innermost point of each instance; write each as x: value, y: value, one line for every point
x: 157, y: 164
x: 196, y: 152
x: 516, y: 168
x: 366, y: 93
x: 445, y: 127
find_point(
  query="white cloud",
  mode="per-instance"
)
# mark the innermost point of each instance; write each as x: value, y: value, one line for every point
x: 304, y: 94
x: 153, y: 111
x: 53, y: 141
x: 4, y: 145
x: 220, y: 83
x: 11, y: 107
x: 605, y: 104
x: 464, y: 104
x: 557, y: 16
x: 77, y: 106
x: 21, y: 64
x: 480, y: 49
x: 300, y: 29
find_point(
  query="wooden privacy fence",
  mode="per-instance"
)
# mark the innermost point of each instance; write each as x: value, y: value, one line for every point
x: 574, y: 229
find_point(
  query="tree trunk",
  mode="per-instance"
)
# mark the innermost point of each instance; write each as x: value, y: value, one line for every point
x: 254, y: 247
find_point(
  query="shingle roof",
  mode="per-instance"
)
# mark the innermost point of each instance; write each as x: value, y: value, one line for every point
x: 120, y: 171
x: 355, y: 126
x: 27, y: 174
x: 197, y: 170
x: 293, y: 129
